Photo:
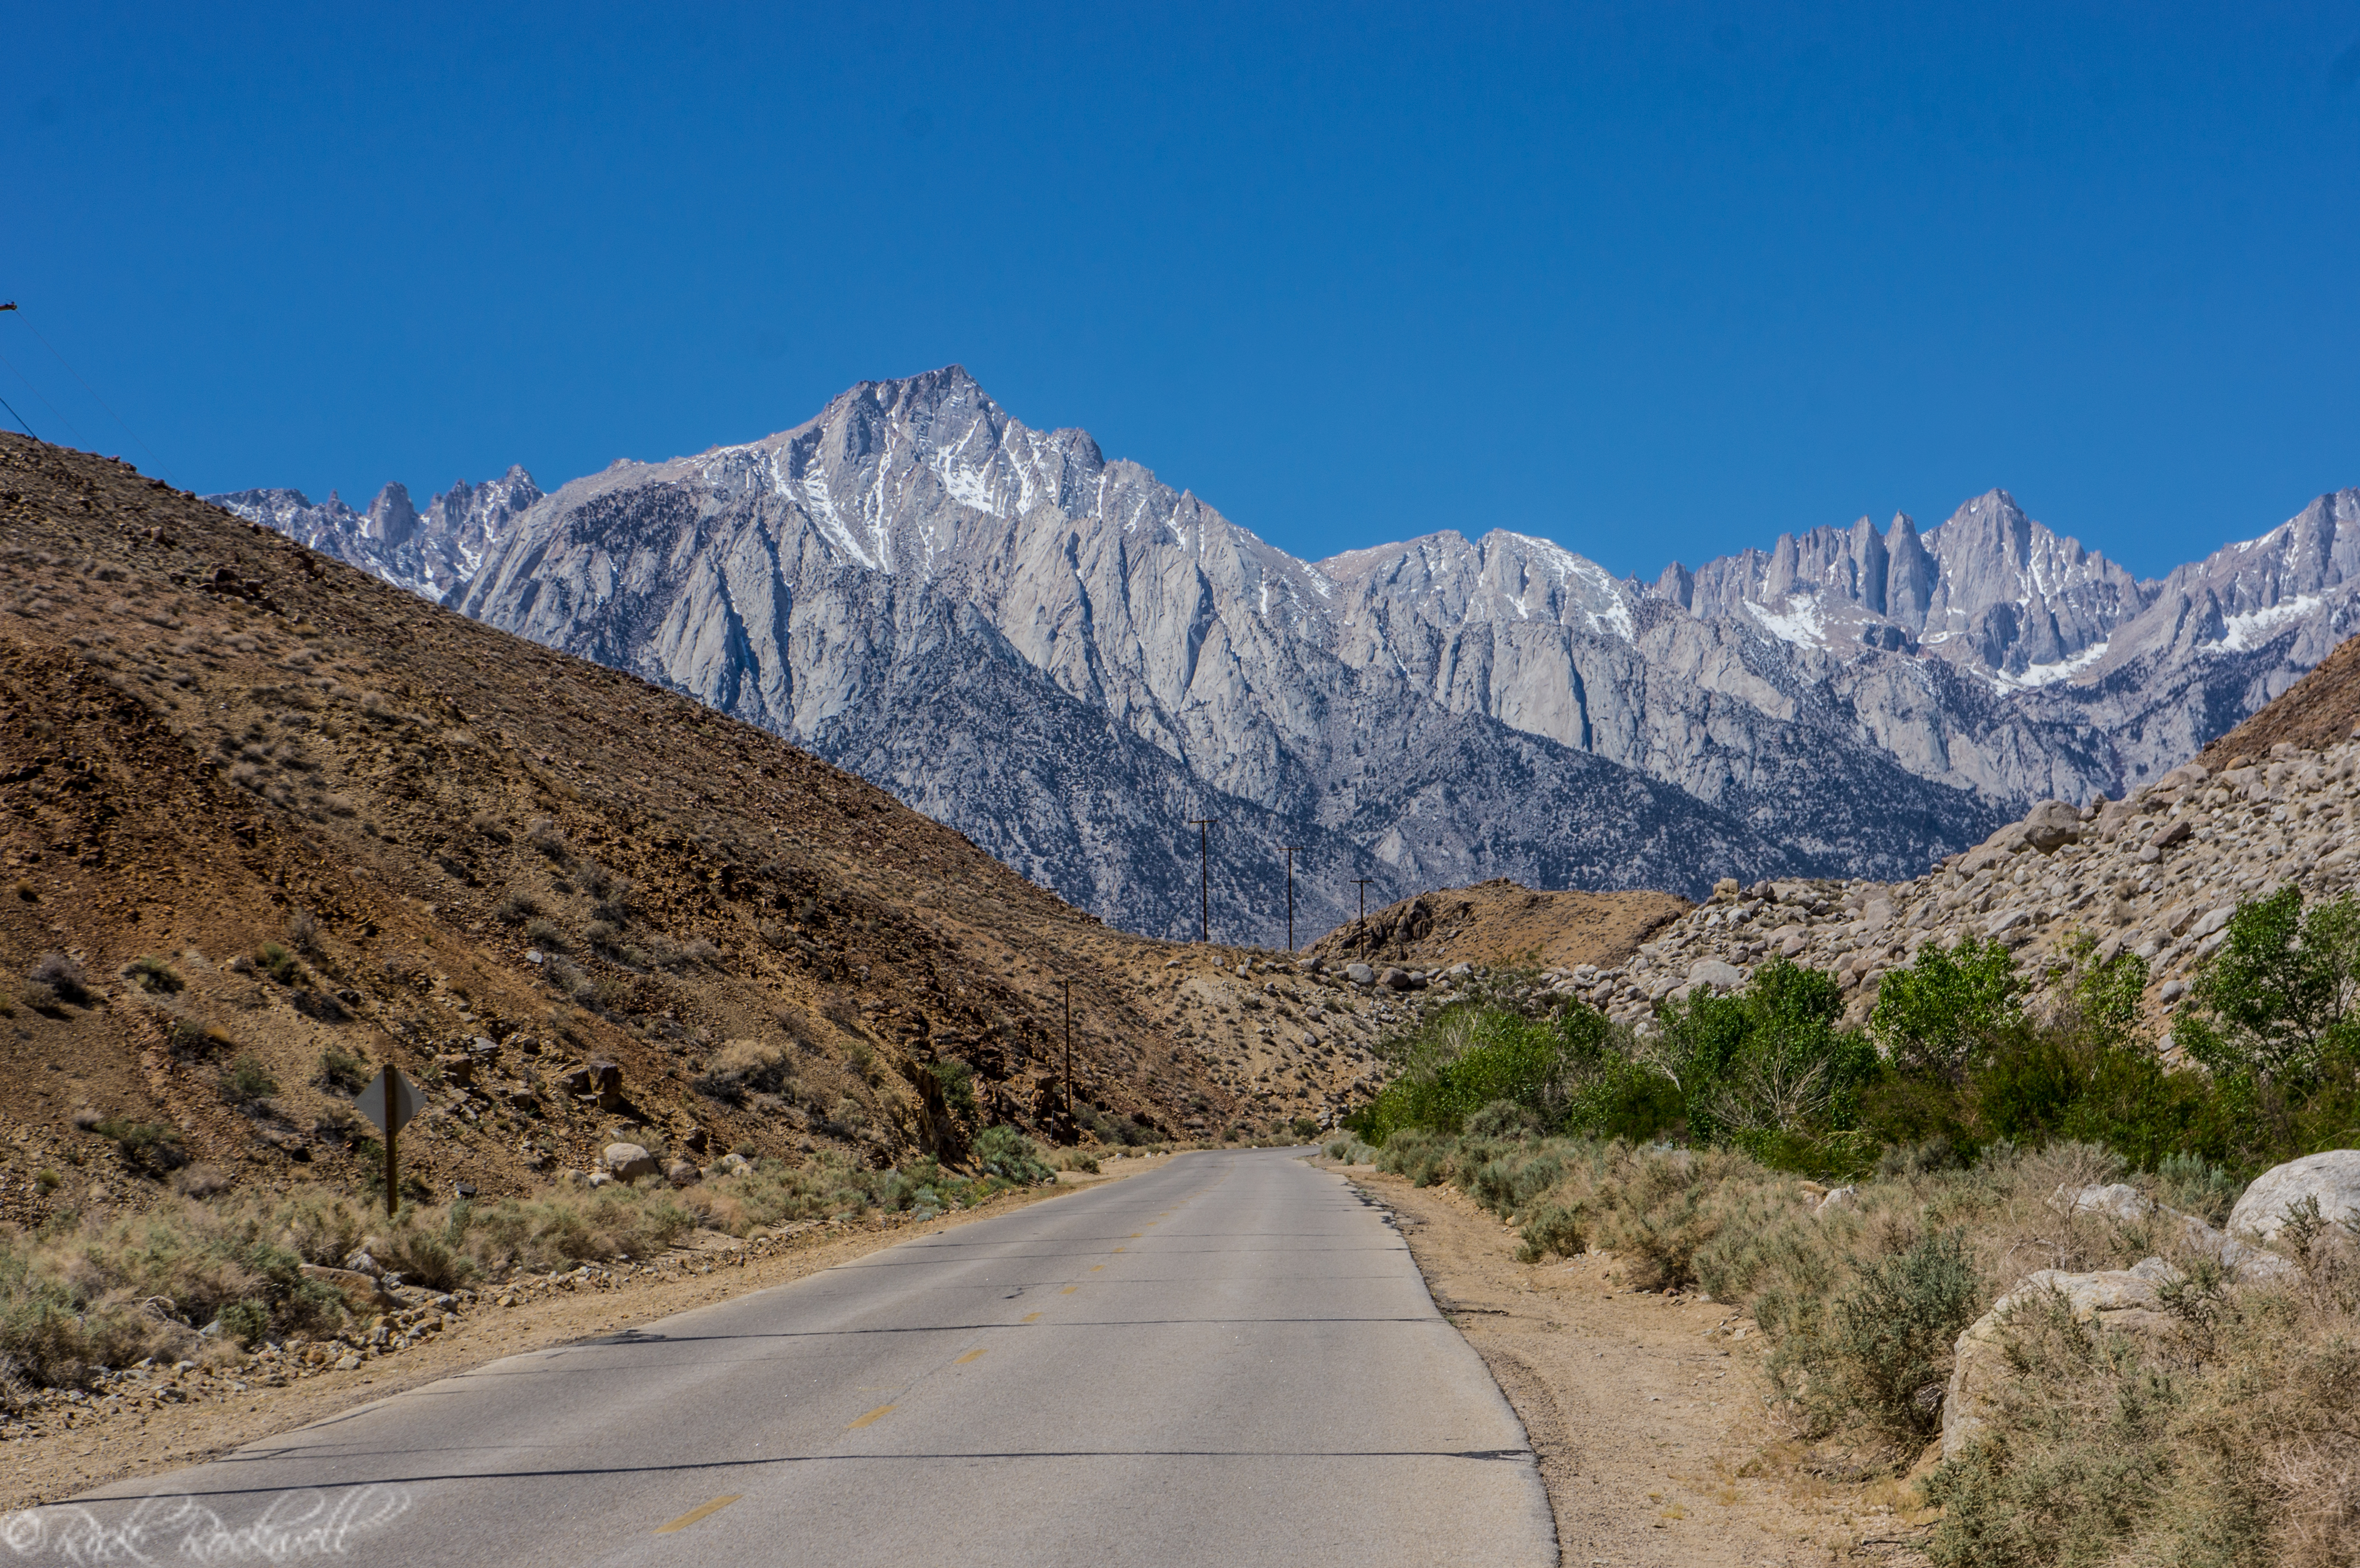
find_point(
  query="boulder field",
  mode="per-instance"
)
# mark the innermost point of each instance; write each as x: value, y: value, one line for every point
x: 2157, y: 874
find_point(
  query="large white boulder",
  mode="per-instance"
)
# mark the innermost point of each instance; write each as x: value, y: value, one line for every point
x: 2117, y: 1300
x: 628, y: 1162
x: 2333, y: 1178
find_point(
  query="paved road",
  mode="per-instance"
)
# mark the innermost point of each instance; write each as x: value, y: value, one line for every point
x: 1231, y: 1359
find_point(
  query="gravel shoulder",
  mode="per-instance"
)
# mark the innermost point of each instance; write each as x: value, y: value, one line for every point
x: 110, y: 1439
x: 1646, y: 1409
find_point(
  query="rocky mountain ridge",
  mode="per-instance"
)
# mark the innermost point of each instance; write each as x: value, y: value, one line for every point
x: 1067, y: 660
x: 429, y: 552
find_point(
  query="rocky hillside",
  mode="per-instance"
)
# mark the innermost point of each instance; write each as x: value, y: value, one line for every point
x: 1066, y: 657
x: 1499, y: 924
x: 267, y: 823
x: 2319, y: 711
x: 2158, y: 873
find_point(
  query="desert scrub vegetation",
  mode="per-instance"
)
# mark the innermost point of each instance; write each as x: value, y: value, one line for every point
x: 2226, y: 1435
x: 91, y: 1292
x: 1963, y: 1050
x: 2219, y: 1433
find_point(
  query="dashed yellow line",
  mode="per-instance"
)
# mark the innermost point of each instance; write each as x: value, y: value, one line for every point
x: 1028, y: 1317
x: 970, y: 1356
x: 875, y: 1415
x: 701, y: 1510
x: 1069, y: 1289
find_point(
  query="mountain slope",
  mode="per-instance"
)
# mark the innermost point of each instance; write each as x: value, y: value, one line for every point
x: 496, y: 865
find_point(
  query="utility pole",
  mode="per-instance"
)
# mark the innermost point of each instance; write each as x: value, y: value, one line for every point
x: 1364, y: 882
x: 1291, y: 851
x: 1069, y: 1053
x: 1204, y: 826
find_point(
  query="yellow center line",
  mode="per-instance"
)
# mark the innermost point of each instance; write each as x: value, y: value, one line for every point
x: 1069, y: 1289
x: 1028, y: 1317
x: 1096, y: 1267
x: 970, y: 1356
x: 698, y: 1512
x: 878, y: 1414
x: 1123, y: 1249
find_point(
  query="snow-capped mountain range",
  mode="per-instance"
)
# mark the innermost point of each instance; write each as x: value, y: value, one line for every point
x: 1067, y: 659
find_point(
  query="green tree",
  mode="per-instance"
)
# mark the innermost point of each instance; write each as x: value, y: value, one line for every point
x: 1768, y: 1071
x: 1948, y: 1008
x: 2277, y: 1002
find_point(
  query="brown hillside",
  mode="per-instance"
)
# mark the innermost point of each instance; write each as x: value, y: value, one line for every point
x: 212, y: 740
x: 1501, y: 922
x: 2321, y: 710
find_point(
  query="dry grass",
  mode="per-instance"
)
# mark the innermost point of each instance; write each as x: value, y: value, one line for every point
x: 2231, y: 1438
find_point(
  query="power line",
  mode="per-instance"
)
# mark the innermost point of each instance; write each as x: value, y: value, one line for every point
x: 100, y: 401
x: 52, y: 407
x: 17, y: 416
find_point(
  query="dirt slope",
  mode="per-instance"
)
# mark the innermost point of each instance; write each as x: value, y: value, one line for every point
x: 2321, y: 710
x: 1501, y: 922
x: 496, y: 866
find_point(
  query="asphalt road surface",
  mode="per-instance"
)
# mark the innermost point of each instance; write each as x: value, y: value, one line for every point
x: 1231, y: 1359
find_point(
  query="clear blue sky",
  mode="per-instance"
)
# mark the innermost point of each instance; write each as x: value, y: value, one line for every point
x: 1653, y: 280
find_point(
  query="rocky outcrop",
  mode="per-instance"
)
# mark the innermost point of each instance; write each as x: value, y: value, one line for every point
x: 2329, y: 1179
x: 2114, y: 1300
x: 2158, y: 874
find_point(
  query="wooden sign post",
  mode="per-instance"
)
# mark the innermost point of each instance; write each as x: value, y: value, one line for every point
x: 390, y: 1100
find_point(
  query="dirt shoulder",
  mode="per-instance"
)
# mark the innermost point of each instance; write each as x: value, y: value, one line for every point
x: 1646, y: 1409
x: 199, y: 1416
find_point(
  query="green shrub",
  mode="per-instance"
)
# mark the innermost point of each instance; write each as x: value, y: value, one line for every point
x: 1505, y: 1118
x: 341, y: 1073
x: 1890, y: 1335
x: 146, y: 1145
x: 1766, y: 1070
x: 957, y: 1079
x: 1005, y: 1152
x: 248, y: 1080
x: 249, y: 1322
x: 278, y: 963
x: 155, y: 976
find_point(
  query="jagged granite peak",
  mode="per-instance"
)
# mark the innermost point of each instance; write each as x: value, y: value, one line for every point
x: 1992, y: 590
x: 429, y: 553
x: 1057, y: 652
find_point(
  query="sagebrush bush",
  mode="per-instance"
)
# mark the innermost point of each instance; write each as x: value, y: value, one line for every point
x: 1005, y: 1152
x: 154, y: 975
x: 248, y: 1080
x: 743, y: 1067
x: 58, y: 976
x: 341, y: 1073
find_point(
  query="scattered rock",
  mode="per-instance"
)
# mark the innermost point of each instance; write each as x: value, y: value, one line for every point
x: 1713, y: 972
x: 1360, y: 974
x: 2333, y: 1178
x: 628, y: 1162
x: 2118, y: 1301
